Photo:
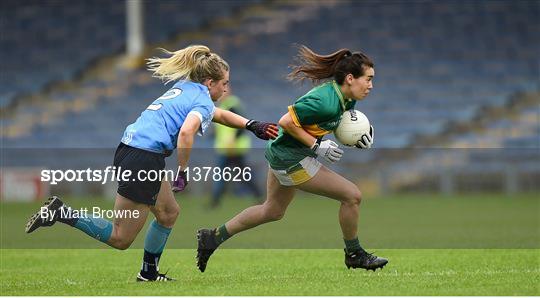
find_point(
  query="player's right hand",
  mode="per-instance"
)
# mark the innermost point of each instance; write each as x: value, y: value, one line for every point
x: 366, y: 141
x: 263, y: 130
x: 328, y: 149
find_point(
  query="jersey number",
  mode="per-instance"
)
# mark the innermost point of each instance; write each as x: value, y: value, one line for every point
x: 168, y: 95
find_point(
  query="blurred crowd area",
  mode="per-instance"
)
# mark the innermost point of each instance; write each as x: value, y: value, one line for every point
x: 456, y: 95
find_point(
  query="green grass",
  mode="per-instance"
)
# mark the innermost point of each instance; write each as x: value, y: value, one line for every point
x: 273, y: 272
x: 465, y: 245
x: 472, y: 221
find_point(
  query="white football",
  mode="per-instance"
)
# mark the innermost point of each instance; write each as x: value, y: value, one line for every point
x: 353, y: 125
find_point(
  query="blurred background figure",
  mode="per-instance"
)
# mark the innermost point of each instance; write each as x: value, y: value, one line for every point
x: 232, y: 147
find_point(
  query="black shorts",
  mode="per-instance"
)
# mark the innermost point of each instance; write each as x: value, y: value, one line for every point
x: 137, y: 160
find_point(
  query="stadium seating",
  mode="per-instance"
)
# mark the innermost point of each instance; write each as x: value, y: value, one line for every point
x: 48, y: 41
x: 501, y: 146
x: 437, y: 62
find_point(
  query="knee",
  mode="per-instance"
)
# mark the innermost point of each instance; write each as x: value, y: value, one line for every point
x: 167, y: 217
x: 123, y: 245
x: 120, y: 242
x: 273, y: 214
x: 353, y: 197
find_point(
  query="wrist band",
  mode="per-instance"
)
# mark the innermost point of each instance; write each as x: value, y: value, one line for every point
x: 316, y: 145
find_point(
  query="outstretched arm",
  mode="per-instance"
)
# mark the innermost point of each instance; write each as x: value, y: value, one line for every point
x: 229, y: 118
x: 262, y: 130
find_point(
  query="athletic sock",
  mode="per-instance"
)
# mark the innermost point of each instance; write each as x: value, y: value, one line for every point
x: 352, y: 245
x: 66, y: 216
x: 95, y: 227
x: 154, y: 243
x: 150, y: 263
x: 221, y: 234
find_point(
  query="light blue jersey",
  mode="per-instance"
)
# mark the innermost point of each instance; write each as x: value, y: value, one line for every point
x: 158, y: 126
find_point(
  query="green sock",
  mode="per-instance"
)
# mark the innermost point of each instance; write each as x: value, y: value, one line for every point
x: 352, y: 245
x: 222, y: 234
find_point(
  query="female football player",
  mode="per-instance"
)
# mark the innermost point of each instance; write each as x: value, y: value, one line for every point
x: 170, y: 122
x: 292, y: 155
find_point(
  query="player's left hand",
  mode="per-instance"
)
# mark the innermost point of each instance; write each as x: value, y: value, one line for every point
x: 181, y: 182
x: 366, y: 141
x: 263, y: 130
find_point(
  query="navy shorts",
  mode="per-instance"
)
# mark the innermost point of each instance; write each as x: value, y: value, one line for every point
x: 138, y: 161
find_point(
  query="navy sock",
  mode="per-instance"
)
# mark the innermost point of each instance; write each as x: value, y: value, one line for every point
x: 66, y: 217
x: 221, y: 234
x: 154, y: 243
x: 149, y: 268
x: 352, y: 245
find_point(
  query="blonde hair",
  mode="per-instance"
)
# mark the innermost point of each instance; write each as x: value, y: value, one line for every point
x: 195, y: 63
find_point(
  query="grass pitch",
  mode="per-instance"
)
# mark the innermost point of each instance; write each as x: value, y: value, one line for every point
x: 311, y: 222
x: 273, y: 272
x: 467, y: 245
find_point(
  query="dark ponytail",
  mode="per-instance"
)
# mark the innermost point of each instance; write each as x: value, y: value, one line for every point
x: 337, y: 65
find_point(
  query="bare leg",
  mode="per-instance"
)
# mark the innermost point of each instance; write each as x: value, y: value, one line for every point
x: 166, y: 209
x: 277, y: 201
x: 330, y: 184
x: 126, y: 229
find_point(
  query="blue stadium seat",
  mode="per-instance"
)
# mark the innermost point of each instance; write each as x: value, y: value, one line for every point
x: 437, y: 62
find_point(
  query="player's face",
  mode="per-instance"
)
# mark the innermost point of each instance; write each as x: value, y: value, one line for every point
x: 361, y: 86
x: 218, y: 88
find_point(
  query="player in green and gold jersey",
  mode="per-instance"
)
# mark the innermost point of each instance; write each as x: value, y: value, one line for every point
x: 292, y: 156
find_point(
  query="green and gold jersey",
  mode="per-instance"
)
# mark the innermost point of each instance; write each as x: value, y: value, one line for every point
x: 318, y: 112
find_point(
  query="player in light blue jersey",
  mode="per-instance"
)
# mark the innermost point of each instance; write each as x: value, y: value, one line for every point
x: 158, y: 126
x: 170, y: 122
